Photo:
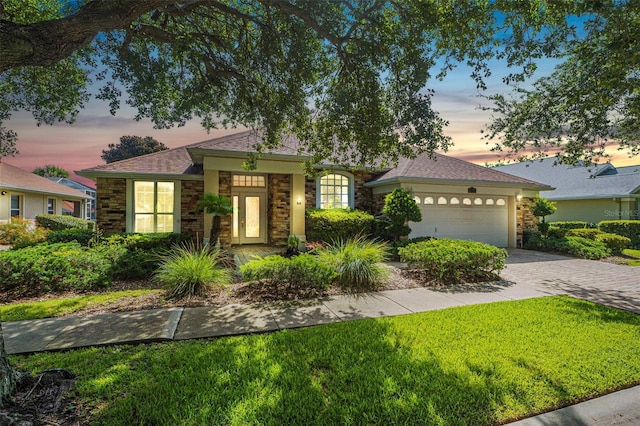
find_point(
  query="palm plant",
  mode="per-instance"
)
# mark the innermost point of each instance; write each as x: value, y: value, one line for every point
x: 218, y: 206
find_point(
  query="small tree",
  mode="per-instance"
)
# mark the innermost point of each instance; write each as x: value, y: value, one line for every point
x: 131, y: 146
x: 542, y: 208
x: 400, y: 208
x: 51, y: 171
x: 218, y: 206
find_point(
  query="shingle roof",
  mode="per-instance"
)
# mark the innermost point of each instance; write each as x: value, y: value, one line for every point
x: 178, y: 161
x: 70, y: 183
x: 443, y: 167
x: 579, y: 182
x: 12, y: 177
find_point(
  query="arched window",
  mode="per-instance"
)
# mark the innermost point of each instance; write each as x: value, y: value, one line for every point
x: 416, y: 199
x: 477, y: 201
x: 466, y: 201
x: 489, y: 202
x: 500, y: 202
x: 428, y: 200
x: 442, y: 200
x: 335, y: 191
x: 454, y: 200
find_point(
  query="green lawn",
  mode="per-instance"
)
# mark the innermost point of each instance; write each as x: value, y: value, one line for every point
x: 64, y: 306
x: 633, y: 253
x: 474, y: 365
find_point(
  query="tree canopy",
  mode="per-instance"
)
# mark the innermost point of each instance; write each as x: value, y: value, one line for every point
x: 51, y: 171
x: 131, y: 146
x: 350, y: 78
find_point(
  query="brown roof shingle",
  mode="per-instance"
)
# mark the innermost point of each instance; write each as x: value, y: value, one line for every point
x: 12, y: 177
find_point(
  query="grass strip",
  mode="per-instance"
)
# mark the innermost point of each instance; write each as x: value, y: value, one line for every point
x: 473, y: 365
x: 64, y: 306
x: 633, y: 253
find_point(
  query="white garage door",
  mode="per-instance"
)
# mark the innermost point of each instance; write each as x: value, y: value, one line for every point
x: 476, y: 218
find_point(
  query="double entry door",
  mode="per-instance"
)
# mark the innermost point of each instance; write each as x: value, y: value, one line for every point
x: 249, y: 217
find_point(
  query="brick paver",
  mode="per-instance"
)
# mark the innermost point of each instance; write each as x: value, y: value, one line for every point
x: 601, y: 282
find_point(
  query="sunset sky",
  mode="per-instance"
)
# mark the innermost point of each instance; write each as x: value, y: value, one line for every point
x: 78, y: 146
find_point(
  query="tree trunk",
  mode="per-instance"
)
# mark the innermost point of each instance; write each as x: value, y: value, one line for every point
x: 8, y: 376
x: 216, y: 230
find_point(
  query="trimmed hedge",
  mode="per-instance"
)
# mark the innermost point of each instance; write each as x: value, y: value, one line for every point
x: 330, y: 225
x: 615, y: 243
x: 573, y: 245
x: 160, y: 241
x: 454, y: 260
x: 304, y: 270
x: 576, y: 224
x: 57, y: 267
x: 625, y: 228
x: 56, y: 222
x: 82, y: 236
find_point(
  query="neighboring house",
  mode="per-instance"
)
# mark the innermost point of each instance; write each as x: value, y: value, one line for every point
x: 159, y: 192
x: 25, y: 195
x: 86, y: 211
x: 592, y: 194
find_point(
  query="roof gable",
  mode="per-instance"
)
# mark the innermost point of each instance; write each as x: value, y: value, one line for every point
x: 15, y: 178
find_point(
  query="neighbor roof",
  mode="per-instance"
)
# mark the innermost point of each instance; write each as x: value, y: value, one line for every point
x: 180, y: 161
x: 579, y: 182
x: 12, y: 177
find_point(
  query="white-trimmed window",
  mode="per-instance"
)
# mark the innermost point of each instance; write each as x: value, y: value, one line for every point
x: 15, y: 208
x: 442, y: 200
x: 428, y: 200
x: 417, y: 199
x: 335, y: 191
x: 153, y: 206
x: 249, y: 181
x: 501, y: 202
x: 455, y: 200
x: 51, y: 206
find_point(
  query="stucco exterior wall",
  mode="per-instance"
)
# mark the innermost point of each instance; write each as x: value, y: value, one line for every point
x: 593, y: 211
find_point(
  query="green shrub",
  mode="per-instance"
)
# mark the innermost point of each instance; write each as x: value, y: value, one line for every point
x: 21, y: 233
x: 159, y: 241
x: 625, y: 228
x: 575, y: 224
x: 189, y: 271
x: 357, y: 262
x: 57, y: 267
x: 455, y: 260
x: 582, y: 247
x: 56, y: 222
x: 590, y: 234
x: 615, y: 243
x: 82, y: 236
x: 337, y: 224
x: 554, y: 232
x: 395, y: 245
x: 400, y: 208
x: 304, y: 270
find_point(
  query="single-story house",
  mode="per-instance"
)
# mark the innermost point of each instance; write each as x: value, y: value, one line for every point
x: 159, y: 192
x: 86, y: 211
x: 591, y: 194
x: 26, y: 195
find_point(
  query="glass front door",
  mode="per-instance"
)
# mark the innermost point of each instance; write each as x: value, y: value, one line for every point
x: 249, y: 218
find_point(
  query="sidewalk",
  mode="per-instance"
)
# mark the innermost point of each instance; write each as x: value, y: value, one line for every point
x: 619, y: 408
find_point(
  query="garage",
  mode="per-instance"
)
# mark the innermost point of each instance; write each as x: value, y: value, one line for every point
x: 476, y: 218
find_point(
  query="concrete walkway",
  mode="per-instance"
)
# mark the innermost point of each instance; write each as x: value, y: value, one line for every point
x: 528, y: 274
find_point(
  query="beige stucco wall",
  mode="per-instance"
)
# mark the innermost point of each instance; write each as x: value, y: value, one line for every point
x: 33, y: 204
x: 594, y: 210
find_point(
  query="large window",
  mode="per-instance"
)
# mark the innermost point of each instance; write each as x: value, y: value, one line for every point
x: 335, y: 192
x: 153, y: 206
x: 15, y: 209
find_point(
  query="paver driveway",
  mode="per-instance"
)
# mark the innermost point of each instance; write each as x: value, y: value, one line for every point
x: 605, y: 283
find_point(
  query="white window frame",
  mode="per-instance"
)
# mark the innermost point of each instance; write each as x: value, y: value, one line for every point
x: 350, y: 188
x: 131, y: 202
x: 51, y: 205
x: 20, y: 206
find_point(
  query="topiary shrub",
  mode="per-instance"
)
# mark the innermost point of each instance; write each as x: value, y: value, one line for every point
x: 304, y: 271
x: 542, y: 208
x: 455, y: 260
x: 330, y: 225
x: 400, y: 208
x: 189, y: 271
x: 357, y: 262
x: 57, y: 222
x: 625, y: 228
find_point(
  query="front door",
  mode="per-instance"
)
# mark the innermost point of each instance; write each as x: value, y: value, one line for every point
x: 249, y: 217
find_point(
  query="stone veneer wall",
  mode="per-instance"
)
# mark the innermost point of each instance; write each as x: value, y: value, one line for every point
x: 225, y: 181
x: 525, y: 218
x: 191, y: 220
x: 278, y: 208
x: 363, y: 196
x: 111, y: 205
